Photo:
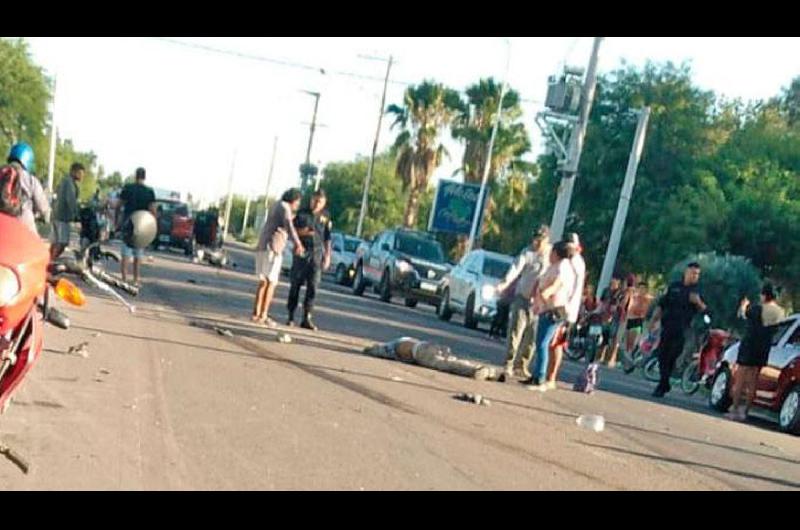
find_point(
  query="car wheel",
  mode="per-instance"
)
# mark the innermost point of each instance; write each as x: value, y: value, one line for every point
x: 410, y: 302
x: 469, y: 313
x: 789, y: 418
x: 690, y: 379
x: 443, y: 309
x: 386, y: 287
x: 358, y: 281
x: 720, y: 397
x: 341, y: 274
x: 651, y: 370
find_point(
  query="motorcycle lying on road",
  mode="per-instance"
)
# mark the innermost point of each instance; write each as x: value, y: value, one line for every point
x: 27, y: 278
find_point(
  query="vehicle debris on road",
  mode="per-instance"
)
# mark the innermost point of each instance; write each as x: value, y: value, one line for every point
x: 474, y: 398
x: 429, y: 355
x: 591, y: 422
x: 80, y: 350
x: 224, y: 332
x: 283, y: 338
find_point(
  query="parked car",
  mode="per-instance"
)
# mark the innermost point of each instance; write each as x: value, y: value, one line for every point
x: 175, y: 226
x: 343, y: 259
x: 408, y: 263
x: 470, y: 288
x: 778, y: 388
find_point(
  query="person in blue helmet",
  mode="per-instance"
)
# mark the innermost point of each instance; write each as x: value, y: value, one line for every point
x: 33, y: 199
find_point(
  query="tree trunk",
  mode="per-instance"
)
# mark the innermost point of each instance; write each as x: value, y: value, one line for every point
x: 412, y: 208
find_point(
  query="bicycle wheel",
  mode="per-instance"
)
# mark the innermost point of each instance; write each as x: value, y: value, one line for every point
x: 690, y: 379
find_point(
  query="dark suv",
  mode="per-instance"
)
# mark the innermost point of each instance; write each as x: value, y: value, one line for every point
x: 408, y: 263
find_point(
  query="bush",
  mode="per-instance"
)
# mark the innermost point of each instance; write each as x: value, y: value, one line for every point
x: 724, y: 280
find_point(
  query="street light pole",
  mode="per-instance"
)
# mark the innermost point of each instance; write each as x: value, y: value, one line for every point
x: 624, y: 200
x: 364, y: 197
x: 487, y: 166
x: 570, y: 169
x: 53, y: 141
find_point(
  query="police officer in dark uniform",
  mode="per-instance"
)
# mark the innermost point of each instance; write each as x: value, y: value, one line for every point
x: 313, y: 225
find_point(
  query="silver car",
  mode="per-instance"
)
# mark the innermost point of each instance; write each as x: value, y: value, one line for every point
x: 344, y: 256
x: 470, y: 288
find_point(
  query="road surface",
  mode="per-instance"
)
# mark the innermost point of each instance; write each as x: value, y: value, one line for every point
x: 163, y: 401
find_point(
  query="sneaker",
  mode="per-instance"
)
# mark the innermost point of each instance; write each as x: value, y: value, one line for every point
x: 538, y: 388
x: 551, y: 385
x: 307, y: 324
x: 290, y: 323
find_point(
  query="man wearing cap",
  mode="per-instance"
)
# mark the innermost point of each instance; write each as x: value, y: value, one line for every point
x: 527, y: 269
x: 133, y: 198
x: 573, y: 309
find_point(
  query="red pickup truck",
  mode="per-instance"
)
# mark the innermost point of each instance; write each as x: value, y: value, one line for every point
x: 175, y: 226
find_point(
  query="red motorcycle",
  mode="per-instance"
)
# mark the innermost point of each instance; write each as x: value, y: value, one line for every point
x: 700, y: 371
x: 26, y: 279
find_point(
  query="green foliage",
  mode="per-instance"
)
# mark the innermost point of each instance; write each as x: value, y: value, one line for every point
x: 343, y: 182
x: 24, y: 95
x: 724, y: 280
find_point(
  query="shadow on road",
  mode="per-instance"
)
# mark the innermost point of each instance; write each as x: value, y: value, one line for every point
x: 689, y: 463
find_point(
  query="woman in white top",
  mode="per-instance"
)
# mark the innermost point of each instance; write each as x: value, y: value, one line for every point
x: 550, y: 303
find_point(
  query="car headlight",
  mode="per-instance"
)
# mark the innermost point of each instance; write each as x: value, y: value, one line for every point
x: 9, y: 286
x: 488, y: 292
x: 403, y: 266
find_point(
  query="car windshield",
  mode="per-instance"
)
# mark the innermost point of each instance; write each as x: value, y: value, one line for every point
x: 420, y: 248
x: 495, y: 268
x: 351, y: 245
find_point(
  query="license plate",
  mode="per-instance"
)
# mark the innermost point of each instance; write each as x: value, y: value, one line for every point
x: 163, y: 239
x: 595, y: 330
x: 430, y: 287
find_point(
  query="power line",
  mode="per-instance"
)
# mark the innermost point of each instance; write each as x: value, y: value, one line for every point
x: 291, y: 64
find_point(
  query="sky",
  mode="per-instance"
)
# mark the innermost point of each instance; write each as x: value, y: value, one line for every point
x: 192, y: 116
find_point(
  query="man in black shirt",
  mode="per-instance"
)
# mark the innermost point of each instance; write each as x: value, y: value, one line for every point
x: 675, y: 311
x: 313, y: 226
x: 135, y: 197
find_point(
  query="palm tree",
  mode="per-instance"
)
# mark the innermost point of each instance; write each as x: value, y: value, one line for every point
x: 427, y: 109
x: 473, y: 126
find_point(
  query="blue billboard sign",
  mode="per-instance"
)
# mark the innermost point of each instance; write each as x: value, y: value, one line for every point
x: 454, y: 207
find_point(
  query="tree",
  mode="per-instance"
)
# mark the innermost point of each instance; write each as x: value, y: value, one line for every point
x: 473, y: 125
x: 343, y: 182
x: 24, y: 94
x: 427, y: 109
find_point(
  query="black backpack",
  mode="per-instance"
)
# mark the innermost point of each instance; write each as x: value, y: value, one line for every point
x: 10, y: 190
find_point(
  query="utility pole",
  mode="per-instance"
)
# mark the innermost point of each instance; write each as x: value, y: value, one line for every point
x: 230, y: 199
x: 308, y: 171
x: 53, y: 141
x: 364, y: 197
x: 570, y: 168
x: 269, y: 176
x: 473, y: 232
x: 624, y: 200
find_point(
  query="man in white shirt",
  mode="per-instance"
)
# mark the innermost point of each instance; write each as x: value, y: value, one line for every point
x: 526, y: 271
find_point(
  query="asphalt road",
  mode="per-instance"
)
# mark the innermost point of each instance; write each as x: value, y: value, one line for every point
x: 168, y: 400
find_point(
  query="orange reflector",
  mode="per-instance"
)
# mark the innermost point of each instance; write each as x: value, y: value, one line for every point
x: 69, y: 292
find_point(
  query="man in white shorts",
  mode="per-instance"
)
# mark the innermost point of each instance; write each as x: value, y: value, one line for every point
x: 269, y: 252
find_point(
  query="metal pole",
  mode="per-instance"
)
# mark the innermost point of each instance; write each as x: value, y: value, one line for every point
x: 53, y: 141
x: 364, y: 197
x: 486, y: 168
x: 575, y: 147
x: 624, y: 200
x: 246, y: 215
x: 305, y: 167
x: 230, y: 199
